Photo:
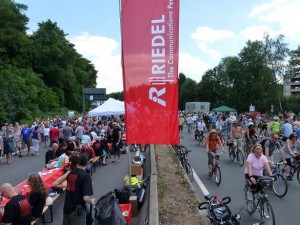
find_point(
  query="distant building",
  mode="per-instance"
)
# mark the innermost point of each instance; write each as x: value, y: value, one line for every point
x: 291, y: 85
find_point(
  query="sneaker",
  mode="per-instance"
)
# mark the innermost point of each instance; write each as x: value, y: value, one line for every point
x: 249, y: 196
x: 20, y: 155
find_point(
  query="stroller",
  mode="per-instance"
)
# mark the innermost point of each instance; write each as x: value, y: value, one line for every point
x: 108, y: 212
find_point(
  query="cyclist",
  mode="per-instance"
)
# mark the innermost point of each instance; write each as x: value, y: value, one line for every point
x: 180, y: 123
x: 276, y: 125
x: 189, y: 121
x: 236, y: 131
x: 213, y: 142
x: 256, y: 163
x: 219, y: 125
x: 201, y: 127
x: 264, y: 127
x: 250, y: 135
x: 291, y: 149
x: 270, y: 146
x: 286, y: 129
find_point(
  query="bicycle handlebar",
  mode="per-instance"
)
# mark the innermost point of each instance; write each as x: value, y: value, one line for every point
x: 216, y: 154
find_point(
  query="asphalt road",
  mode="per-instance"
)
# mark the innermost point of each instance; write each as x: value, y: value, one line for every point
x: 286, y: 209
x: 106, y: 178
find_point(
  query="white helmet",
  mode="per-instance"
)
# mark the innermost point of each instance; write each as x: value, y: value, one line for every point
x: 276, y: 118
x: 249, y: 124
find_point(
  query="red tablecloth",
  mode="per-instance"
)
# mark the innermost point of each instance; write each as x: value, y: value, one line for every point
x: 48, y: 176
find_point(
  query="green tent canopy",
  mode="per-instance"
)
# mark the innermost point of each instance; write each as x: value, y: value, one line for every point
x: 224, y: 108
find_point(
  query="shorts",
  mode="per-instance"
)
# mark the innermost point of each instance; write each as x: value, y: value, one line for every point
x: 180, y: 127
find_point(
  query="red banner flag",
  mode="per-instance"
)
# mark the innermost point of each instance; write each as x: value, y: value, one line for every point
x: 150, y: 30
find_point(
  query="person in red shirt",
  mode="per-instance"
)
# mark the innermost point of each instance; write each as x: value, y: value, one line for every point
x: 88, y: 151
x: 54, y: 133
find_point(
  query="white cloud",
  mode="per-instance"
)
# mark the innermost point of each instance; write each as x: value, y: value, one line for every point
x: 283, y: 12
x: 206, y: 37
x: 191, y: 66
x: 100, y: 51
x: 209, y: 35
x: 213, y: 53
x: 257, y: 32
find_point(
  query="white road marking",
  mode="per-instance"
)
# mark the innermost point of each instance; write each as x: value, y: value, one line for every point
x: 200, y: 184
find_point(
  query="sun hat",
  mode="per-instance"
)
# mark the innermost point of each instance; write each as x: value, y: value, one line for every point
x: 212, y: 131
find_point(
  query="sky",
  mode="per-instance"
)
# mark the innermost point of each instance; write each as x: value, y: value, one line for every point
x: 209, y: 30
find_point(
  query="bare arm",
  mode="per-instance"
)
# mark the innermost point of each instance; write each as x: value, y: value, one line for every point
x: 58, y: 182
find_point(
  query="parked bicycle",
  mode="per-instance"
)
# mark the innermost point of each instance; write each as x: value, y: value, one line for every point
x: 216, y: 169
x: 235, y: 151
x: 219, y: 212
x: 182, y: 152
x: 259, y: 200
x: 185, y: 163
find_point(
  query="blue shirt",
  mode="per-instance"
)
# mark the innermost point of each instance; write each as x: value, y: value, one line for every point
x: 26, y: 133
x: 298, y: 133
x: 287, y: 129
x: 213, y: 119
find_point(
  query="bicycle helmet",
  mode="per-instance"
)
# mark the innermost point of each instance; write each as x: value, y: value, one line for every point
x: 249, y: 124
x: 276, y: 118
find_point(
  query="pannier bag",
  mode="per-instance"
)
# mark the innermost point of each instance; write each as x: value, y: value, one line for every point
x: 220, y: 212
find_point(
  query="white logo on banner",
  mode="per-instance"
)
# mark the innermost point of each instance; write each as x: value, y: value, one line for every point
x: 156, y: 98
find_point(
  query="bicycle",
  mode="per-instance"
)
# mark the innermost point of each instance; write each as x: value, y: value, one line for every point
x: 185, y: 164
x: 259, y: 200
x: 201, y: 139
x: 219, y: 212
x: 235, y: 151
x: 216, y: 169
x: 295, y: 169
x: 280, y: 186
x: 189, y: 125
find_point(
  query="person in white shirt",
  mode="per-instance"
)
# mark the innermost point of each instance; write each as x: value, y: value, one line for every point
x: 219, y: 125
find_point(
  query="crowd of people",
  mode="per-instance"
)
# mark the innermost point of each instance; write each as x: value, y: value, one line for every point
x: 69, y: 133
x: 79, y: 141
x: 283, y: 137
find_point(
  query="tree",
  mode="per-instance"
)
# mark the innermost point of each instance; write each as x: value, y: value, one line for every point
x: 61, y: 67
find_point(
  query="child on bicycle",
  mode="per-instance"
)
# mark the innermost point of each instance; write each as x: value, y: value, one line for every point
x: 213, y: 142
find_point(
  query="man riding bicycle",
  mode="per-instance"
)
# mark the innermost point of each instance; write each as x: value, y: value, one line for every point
x: 270, y: 146
x: 189, y: 121
x: 213, y: 142
x: 201, y: 127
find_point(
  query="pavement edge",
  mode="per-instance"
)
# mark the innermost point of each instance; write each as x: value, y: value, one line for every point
x: 153, y: 204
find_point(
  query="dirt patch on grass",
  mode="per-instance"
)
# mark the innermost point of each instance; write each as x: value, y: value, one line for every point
x: 176, y: 201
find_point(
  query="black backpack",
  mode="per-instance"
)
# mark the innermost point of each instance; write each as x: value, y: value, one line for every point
x: 262, y: 143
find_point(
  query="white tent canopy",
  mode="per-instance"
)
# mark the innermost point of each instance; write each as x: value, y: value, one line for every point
x: 110, y: 107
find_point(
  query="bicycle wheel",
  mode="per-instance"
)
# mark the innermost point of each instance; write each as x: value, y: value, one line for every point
x: 240, y: 157
x: 250, y: 204
x: 202, y: 141
x: 223, y: 139
x: 189, y: 171
x: 218, y: 176
x: 266, y: 213
x: 231, y: 153
x: 280, y: 186
x: 246, y: 150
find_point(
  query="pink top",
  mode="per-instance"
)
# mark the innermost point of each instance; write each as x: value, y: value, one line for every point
x: 257, y: 164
